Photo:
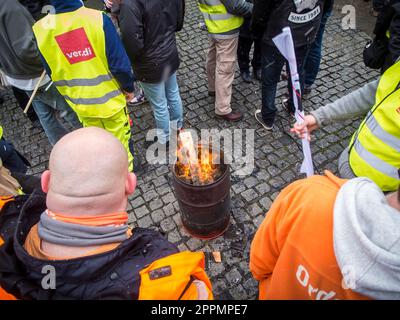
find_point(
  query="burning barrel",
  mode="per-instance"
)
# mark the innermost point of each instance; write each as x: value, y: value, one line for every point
x: 203, y: 193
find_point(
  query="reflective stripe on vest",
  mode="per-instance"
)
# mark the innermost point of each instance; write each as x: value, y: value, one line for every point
x: 382, y: 135
x: 74, y: 49
x: 375, y: 162
x: 375, y: 147
x: 217, y: 18
x: 94, y: 101
x: 84, y: 82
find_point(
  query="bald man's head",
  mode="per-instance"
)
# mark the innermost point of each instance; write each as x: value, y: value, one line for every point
x: 88, y: 164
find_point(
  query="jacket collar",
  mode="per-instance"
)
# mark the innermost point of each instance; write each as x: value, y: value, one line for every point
x: 62, y: 6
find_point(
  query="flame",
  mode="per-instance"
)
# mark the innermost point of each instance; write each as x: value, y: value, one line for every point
x: 204, y: 171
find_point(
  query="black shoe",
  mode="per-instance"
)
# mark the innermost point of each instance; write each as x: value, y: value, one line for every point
x: 246, y: 76
x: 306, y: 91
x: 137, y: 164
x: 257, y: 74
x: 211, y: 93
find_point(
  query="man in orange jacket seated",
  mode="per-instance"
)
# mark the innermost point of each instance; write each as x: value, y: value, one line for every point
x: 328, y: 238
x: 76, y: 244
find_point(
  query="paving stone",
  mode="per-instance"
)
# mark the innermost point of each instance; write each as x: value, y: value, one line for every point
x: 137, y: 202
x: 145, y: 222
x: 156, y: 204
x: 141, y: 212
x: 167, y: 225
x: 157, y: 215
x: 233, y: 277
x: 249, y: 195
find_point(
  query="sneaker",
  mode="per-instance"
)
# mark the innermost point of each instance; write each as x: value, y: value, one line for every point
x: 246, y: 77
x: 260, y: 120
x: 138, y: 99
x: 285, y: 105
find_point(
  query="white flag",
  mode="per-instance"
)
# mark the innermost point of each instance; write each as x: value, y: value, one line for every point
x: 284, y: 43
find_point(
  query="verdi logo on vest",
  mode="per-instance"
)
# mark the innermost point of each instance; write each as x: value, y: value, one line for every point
x: 75, y: 46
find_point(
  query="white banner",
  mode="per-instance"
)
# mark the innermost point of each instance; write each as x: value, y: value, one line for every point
x: 284, y: 43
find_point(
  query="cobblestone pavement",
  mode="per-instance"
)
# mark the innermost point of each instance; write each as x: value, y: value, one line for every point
x: 276, y: 155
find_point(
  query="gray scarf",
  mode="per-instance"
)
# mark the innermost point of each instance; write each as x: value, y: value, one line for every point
x: 75, y: 235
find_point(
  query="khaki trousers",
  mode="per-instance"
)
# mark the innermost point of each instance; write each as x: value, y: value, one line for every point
x: 221, y: 59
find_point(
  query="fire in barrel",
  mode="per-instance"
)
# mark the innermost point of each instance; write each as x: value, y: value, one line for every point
x: 202, y: 186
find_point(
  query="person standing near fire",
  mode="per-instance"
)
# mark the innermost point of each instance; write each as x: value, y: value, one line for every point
x: 246, y: 41
x: 223, y: 19
x: 148, y: 29
x: 87, y: 62
x: 303, y: 17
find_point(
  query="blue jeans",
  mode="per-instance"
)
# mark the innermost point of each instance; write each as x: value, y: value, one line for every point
x: 166, y: 102
x: 47, y: 104
x: 272, y: 64
x: 313, y: 62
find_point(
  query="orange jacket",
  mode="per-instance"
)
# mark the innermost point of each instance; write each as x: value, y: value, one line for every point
x: 292, y: 252
x: 3, y: 294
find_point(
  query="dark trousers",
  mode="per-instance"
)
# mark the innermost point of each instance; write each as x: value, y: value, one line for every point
x: 378, y: 5
x: 272, y: 64
x: 11, y: 159
x: 22, y: 100
x: 314, y: 57
x: 243, y: 52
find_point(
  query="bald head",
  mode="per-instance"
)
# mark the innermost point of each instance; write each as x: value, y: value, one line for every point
x: 86, y: 166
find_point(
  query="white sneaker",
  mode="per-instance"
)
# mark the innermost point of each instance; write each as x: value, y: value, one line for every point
x: 258, y: 117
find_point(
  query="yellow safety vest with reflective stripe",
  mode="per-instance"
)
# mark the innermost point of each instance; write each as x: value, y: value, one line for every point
x: 375, y: 147
x: 217, y: 18
x: 73, y: 45
x: 1, y: 132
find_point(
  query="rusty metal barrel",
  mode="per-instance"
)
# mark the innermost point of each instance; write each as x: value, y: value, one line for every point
x: 205, y: 209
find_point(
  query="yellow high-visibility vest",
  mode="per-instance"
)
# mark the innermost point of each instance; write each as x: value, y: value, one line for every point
x: 375, y: 147
x: 73, y: 45
x: 217, y: 18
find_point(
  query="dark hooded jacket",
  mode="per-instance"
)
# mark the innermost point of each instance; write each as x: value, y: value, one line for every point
x: 389, y: 20
x: 110, y: 275
x: 148, y: 30
x: 302, y: 16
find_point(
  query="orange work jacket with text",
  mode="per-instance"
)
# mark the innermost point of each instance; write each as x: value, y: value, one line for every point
x: 292, y: 254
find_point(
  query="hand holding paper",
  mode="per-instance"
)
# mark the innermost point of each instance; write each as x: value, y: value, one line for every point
x: 284, y: 43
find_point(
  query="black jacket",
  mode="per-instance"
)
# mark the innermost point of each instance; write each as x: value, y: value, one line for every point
x: 148, y: 30
x: 389, y: 19
x: 245, y: 29
x: 110, y: 275
x: 271, y: 16
x: 35, y: 7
